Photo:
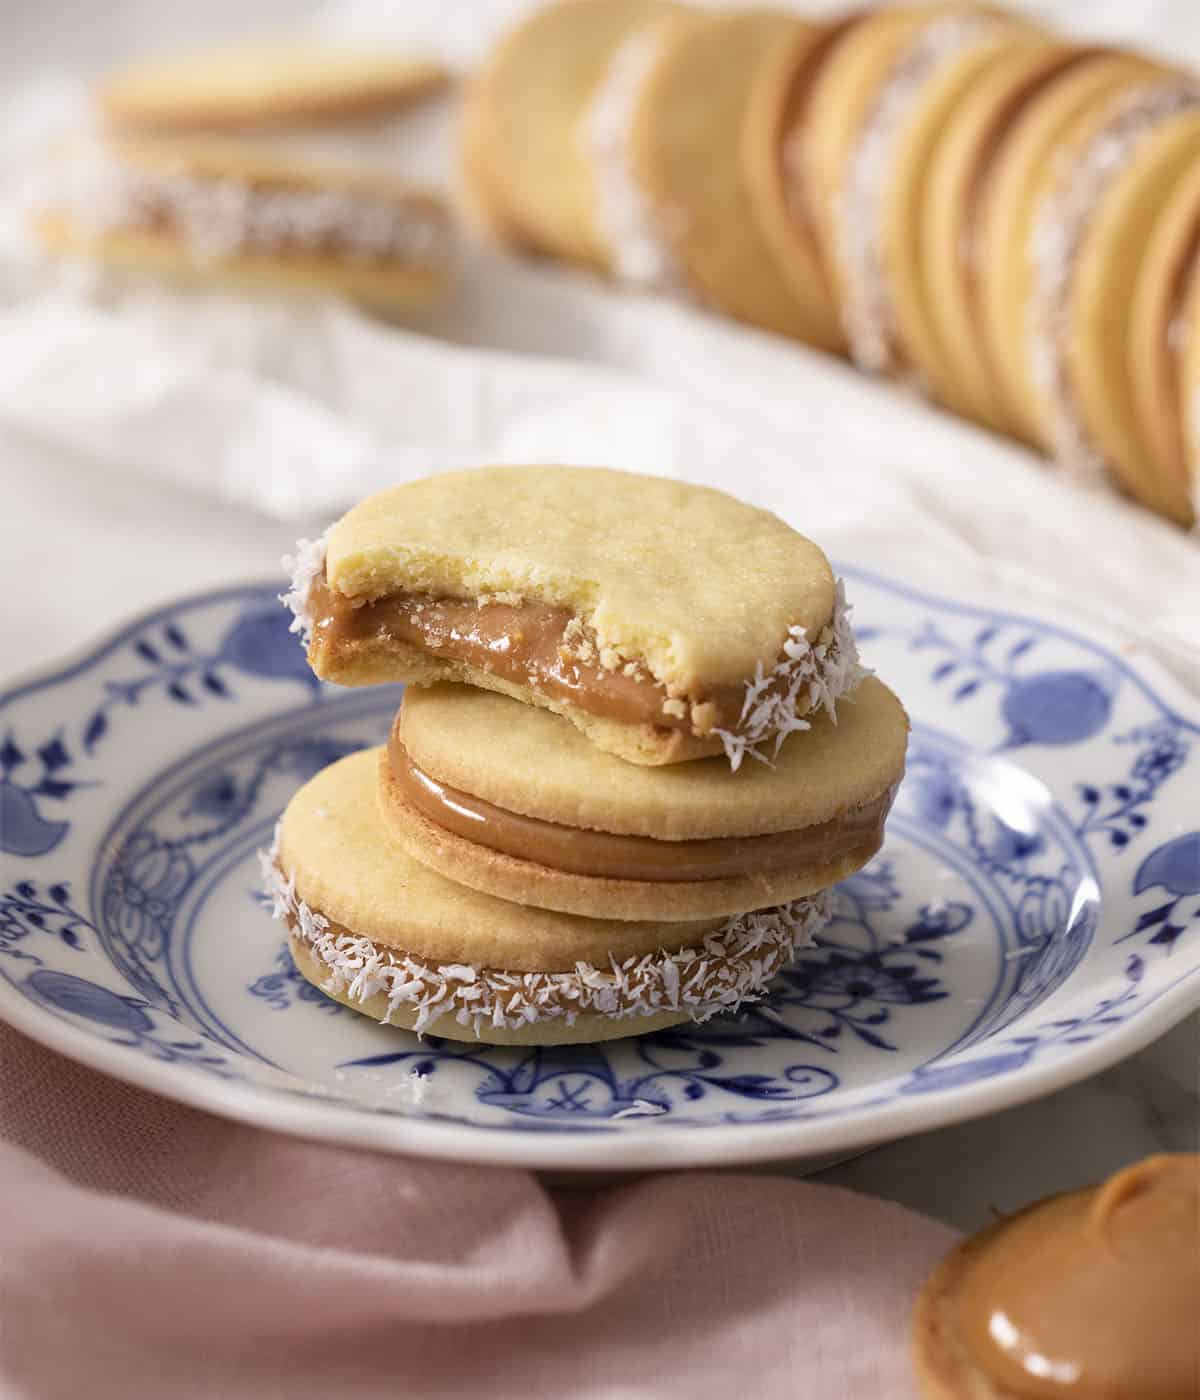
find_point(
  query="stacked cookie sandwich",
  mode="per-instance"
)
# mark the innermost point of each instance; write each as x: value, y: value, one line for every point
x: 946, y: 192
x: 635, y: 751
x: 263, y: 167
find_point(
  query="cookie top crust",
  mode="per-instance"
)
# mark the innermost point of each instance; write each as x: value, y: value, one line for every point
x: 685, y: 580
x: 266, y: 83
x: 346, y: 865
x: 532, y: 762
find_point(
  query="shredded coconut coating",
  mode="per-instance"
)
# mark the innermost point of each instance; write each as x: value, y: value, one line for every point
x: 219, y: 216
x: 808, y: 677
x: 867, y: 309
x: 633, y: 229
x: 1057, y: 233
x: 304, y: 568
x: 731, y: 967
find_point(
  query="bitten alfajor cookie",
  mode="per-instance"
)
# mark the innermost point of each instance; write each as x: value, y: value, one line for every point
x: 1091, y: 1293
x: 514, y: 801
x: 200, y: 210
x: 396, y: 941
x: 275, y: 84
x: 664, y: 620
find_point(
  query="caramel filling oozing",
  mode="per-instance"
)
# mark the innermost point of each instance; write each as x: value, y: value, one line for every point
x: 604, y: 854
x: 1096, y: 1293
x: 528, y: 644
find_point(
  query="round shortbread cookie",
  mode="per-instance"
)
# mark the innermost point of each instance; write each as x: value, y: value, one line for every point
x: 839, y: 105
x: 985, y: 119
x: 396, y: 941
x: 528, y: 761
x: 266, y: 84
x: 1014, y: 184
x: 1160, y: 331
x: 1097, y: 334
x: 533, y: 90
x: 773, y: 156
x: 686, y: 149
x: 931, y: 116
x: 513, y: 801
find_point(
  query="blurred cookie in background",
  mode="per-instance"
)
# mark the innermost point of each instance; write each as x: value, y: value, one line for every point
x: 687, y: 156
x: 524, y: 164
x: 302, y: 97
x: 201, y: 210
x: 276, y: 84
x: 777, y: 171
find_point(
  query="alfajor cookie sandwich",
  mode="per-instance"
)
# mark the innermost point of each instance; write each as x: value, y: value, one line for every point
x: 666, y: 621
x: 775, y: 158
x: 523, y: 165
x: 514, y: 801
x: 200, y: 210
x: 396, y: 941
x: 665, y: 134
x: 989, y: 120
x: 1090, y: 224
x: 878, y: 106
x: 1091, y: 1293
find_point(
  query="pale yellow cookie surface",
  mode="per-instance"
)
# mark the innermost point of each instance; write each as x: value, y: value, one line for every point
x: 529, y: 761
x: 533, y: 90
x: 687, y: 154
x: 349, y: 868
x: 691, y: 582
x: 267, y: 83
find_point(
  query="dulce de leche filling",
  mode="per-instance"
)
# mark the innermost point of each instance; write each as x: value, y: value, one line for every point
x: 606, y: 855
x: 1094, y: 1294
x: 529, y: 644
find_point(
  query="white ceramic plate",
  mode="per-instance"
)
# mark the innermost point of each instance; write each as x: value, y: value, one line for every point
x: 1033, y: 917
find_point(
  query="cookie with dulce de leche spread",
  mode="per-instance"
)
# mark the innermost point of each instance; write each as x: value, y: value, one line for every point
x: 514, y: 801
x: 666, y: 621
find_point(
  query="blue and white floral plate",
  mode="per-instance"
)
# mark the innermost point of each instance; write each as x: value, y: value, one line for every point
x: 1033, y: 917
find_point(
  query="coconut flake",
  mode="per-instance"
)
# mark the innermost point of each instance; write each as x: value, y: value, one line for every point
x: 217, y: 216
x: 1057, y: 233
x: 867, y: 307
x: 734, y: 966
x: 634, y: 230
x: 304, y: 567
x: 809, y: 676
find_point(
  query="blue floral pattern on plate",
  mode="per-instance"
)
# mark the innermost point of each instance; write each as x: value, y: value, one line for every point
x: 1034, y: 914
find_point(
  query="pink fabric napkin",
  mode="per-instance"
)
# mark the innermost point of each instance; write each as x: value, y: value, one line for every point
x: 147, y: 1249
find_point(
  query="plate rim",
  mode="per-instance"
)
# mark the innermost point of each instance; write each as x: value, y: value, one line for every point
x: 633, y: 1147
